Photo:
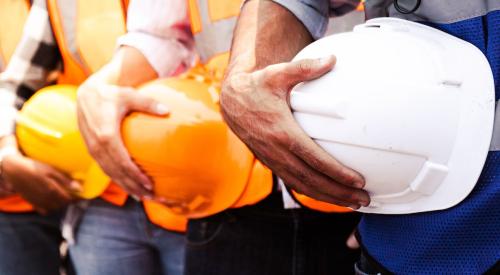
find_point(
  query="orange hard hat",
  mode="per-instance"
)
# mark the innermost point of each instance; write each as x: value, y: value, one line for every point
x: 194, y: 159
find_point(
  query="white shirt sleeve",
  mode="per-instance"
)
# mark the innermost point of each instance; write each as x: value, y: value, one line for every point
x: 160, y: 30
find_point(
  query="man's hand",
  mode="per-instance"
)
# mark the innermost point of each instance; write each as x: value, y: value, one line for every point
x: 255, y: 106
x: 101, y: 109
x: 5, y: 189
x: 40, y: 184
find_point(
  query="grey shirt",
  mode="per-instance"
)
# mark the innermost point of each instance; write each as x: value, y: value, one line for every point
x: 314, y: 14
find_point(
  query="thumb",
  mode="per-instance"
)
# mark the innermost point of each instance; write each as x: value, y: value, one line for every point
x: 352, y: 242
x: 288, y: 75
x: 145, y: 104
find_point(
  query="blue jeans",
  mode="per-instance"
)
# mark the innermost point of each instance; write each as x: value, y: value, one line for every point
x: 29, y: 244
x: 121, y: 240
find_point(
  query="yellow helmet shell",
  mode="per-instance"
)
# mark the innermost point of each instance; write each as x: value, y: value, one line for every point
x: 47, y: 131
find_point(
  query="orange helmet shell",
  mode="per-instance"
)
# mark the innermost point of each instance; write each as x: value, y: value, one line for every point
x: 194, y: 159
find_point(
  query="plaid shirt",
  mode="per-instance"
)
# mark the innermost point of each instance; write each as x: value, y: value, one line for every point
x: 35, y: 59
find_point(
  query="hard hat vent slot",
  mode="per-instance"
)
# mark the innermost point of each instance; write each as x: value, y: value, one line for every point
x: 453, y: 83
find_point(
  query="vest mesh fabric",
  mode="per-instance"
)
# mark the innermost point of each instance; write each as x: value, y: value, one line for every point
x: 464, y: 239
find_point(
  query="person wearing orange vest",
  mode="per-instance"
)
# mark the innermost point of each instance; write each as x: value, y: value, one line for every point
x: 118, y: 233
x: 30, y: 240
x: 256, y: 236
x: 80, y: 55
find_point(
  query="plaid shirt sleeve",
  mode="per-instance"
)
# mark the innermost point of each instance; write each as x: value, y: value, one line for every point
x: 35, y: 58
x: 314, y: 14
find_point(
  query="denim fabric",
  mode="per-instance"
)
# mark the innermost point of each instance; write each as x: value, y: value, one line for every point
x: 29, y: 244
x: 121, y: 240
x: 267, y: 239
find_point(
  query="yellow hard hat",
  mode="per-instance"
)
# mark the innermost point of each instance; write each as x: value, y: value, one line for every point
x: 47, y: 131
x: 192, y: 156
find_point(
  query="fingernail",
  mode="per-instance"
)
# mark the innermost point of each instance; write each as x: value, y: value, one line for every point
x: 354, y: 207
x: 159, y: 199
x: 364, y: 203
x: 161, y: 109
x: 359, y: 184
x: 327, y: 59
x: 135, y: 197
x: 75, y: 186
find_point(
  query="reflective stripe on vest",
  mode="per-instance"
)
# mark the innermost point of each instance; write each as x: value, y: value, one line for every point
x: 215, y: 35
x: 84, y: 43
x: 86, y: 32
x: 13, y: 14
x: 212, y: 23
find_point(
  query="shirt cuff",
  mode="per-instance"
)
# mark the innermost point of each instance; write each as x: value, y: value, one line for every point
x: 314, y: 14
x: 167, y: 56
x: 7, y: 113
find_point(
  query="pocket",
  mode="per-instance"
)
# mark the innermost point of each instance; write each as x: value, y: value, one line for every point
x: 203, y: 231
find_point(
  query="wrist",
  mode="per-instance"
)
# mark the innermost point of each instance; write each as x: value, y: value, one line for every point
x: 4, y: 153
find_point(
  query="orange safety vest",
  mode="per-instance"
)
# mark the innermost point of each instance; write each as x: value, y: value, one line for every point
x: 13, y: 14
x: 86, y: 32
x: 212, y: 23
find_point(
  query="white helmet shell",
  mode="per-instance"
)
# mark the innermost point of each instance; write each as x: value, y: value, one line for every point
x: 409, y: 107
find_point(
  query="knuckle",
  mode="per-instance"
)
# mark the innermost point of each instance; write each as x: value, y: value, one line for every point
x: 304, y: 178
x: 46, y: 173
x: 340, y: 203
x: 125, y: 165
x: 81, y: 93
x: 143, y: 101
x: 237, y: 83
x: 298, y: 187
x: 306, y: 66
x: 295, y: 146
x: 348, y: 177
x: 349, y: 196
x: 104, y: 136
x: 283, y: 138
x: 267, y: 76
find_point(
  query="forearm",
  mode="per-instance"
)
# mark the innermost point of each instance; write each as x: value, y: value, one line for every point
x: 266, y: 33
x: 128, y: 68
x: 8, y: 141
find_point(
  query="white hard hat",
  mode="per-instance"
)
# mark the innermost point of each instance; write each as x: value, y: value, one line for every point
x: 407, y: 106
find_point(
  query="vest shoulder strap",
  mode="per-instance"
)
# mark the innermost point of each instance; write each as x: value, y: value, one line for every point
x: 86, y: 32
